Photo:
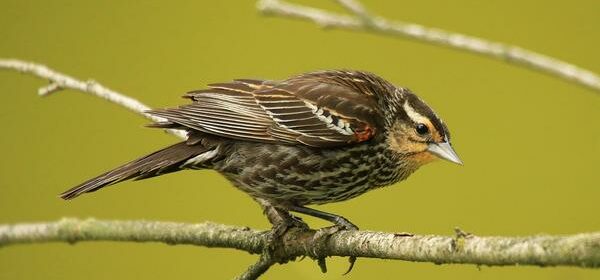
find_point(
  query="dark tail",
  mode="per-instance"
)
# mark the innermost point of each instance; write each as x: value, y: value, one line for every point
x: 169, y: 159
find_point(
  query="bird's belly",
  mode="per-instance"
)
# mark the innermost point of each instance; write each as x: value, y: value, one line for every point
x: 303, y: 188
x: 290, y: 175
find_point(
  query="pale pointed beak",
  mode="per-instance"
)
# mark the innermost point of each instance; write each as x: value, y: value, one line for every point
x: 444, y: 151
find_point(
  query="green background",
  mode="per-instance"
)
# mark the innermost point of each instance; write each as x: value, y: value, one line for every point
x: 530, y: 142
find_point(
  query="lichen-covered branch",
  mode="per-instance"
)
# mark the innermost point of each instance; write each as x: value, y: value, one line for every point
x: 360, y: 20
x: 582, y: 250
x: 59, y: 81
x: 75, y: 230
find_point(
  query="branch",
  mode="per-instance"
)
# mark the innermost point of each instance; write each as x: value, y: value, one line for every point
x: 581, y: 250
x: 259, y: 268
x: 363, y: 21
x: 59, y: 81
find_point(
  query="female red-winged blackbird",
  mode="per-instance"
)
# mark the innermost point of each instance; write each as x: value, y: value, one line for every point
x: 315, y: 138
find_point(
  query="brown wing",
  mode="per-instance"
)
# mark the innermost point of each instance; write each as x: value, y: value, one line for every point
x: 318, y: 114
x: 293, y: 111
x: 227, y: 110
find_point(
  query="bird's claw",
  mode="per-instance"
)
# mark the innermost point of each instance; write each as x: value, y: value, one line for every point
x: 281, y: 228
x: 322, y: 236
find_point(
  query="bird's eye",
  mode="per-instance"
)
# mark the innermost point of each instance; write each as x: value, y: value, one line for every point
x: 422, y: 129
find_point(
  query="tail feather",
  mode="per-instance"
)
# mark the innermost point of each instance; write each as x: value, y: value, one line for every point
x: 169, y: 159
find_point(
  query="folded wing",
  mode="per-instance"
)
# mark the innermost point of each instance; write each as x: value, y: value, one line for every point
x: 290, y: 112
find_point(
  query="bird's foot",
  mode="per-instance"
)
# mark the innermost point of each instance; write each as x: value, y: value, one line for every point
x: 281, y: 227
x: 277, y: 232
x: 282, y: 221
x: 322, y: 236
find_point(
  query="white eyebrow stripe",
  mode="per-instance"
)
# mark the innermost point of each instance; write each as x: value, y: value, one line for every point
x: 413, y: 115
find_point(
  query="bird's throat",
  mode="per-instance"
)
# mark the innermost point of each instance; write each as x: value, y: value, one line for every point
x: 422, y: 158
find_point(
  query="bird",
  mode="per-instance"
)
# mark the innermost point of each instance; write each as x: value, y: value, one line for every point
x: 314, y: 138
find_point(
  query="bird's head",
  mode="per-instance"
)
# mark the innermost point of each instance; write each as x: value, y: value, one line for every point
x: 415, y: 132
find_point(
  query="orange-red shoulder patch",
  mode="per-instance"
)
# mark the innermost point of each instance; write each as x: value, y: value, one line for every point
x: 364, y: 134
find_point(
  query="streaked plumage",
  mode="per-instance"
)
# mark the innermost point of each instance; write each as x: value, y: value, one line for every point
x: 315, y: 138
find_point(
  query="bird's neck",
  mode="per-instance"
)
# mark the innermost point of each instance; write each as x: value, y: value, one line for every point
x: 391, y: 167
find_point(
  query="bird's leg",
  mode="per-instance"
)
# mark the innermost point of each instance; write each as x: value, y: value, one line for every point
x: 281, y: 220
x: 323, y: 234
x: 339, y: 221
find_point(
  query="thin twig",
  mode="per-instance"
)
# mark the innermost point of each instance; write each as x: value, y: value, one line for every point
x: 356, y: 8
x: 361, y: 20
x: 60, y: 81
x: 259, y: 268
x: 581, y: 250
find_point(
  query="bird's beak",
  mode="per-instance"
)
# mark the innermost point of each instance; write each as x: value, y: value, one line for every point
x: 444, y: 151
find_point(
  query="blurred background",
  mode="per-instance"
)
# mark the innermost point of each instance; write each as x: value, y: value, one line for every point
x: 530, y: 142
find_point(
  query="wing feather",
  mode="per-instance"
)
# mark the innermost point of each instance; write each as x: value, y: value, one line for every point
x: 299, y: 110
